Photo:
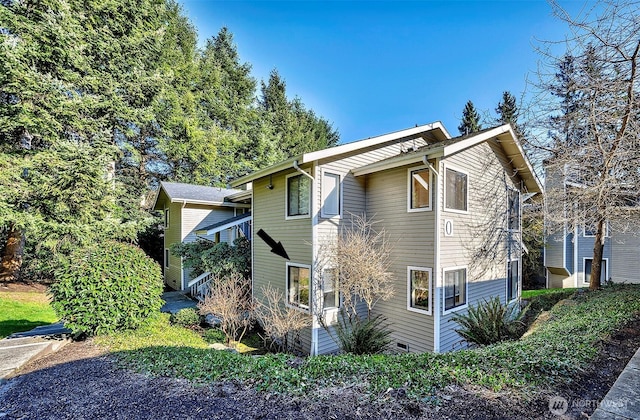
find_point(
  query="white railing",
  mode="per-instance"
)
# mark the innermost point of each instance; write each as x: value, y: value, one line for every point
x: 199, y: 286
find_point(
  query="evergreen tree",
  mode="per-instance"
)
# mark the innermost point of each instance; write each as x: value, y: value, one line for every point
x: 470, y: 120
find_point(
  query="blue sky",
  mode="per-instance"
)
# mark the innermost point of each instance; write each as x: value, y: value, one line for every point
x: 375, y: 67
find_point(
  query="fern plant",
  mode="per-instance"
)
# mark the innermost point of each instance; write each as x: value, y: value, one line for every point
x: 490, y: 322
x: 362, y: 336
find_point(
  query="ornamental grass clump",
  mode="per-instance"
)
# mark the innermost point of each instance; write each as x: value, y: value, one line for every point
x: 491, y: 322
x: 106, y: 287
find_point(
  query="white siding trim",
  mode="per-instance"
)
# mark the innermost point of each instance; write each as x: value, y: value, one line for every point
x: 444, y: 189
x: 315, y: 324
x: 410, y: 190
x: 430, y: 286
x: 325, y: 172
x: 436, y: 264
x: 286, y: 198
x: 576, y: 241
x: 466, y: 291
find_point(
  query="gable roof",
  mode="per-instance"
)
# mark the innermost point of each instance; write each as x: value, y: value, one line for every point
x: 437, y: 128
x: 504, y: 134
x: 193, y: 194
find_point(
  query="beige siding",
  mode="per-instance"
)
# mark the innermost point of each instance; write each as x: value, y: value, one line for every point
x: 413, y: 235
x: 353, y: 202
x: 172, y: 235
x: 479, y: 241
x: 625, y: 258
x: 295, y: 235
x: 559, y: 281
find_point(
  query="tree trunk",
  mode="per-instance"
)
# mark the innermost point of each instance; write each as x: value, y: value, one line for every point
x: 596, y: 264
x: 12, y: 255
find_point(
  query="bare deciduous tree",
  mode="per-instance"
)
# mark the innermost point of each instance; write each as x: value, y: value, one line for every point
x: 360, y: 255
x: 229, y: 298
x: 278, y: 320
x: 589, y: 102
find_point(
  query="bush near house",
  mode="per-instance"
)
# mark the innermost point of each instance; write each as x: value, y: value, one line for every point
x: 560, y: 348
x: 187, y: 317
x: 107, y: 287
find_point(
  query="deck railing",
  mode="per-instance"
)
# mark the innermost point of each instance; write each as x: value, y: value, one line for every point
x: 199, y: 286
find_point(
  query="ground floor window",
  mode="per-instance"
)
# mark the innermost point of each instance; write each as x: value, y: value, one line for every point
x: 419, y: 288
x: 455, y: 288
x: 330, y: 293
x: 588, y: 263
x: 298, y: 281
x: 513, y: 279
x: 166, y: 258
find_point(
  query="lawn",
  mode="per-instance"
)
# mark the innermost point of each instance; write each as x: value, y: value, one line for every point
x: 560, y: 348
x: 528, y: 294
x: 22, y: 311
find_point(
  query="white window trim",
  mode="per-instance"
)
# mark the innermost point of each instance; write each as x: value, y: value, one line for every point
x: 409, y: 185
x: 334, y: 309
x: 286, y: 287
x: 466, y: 291
x: 167, y: 216
x: 286, y: 199
x: 431, y: 294
x: 506, y: 295
x: 340, y: 201
x: 584, y: 273
x: 167, y: 258
x: 444, y: 193
x: 519, y: 228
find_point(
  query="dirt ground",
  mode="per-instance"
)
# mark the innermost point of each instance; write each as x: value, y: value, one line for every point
x: 81, y: 381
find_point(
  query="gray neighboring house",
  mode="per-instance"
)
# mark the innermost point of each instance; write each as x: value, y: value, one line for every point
x: 451, y: 205
x: 191, y: 212
x: 568, y: 252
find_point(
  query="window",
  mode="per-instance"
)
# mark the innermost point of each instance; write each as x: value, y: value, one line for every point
x: 514, y: 210
x: 588, y: 262
x: 166, y: 218
x: 330, y: 195
x: 166, y: 258
x: 298, y: 285
x: 513, y: 279
x: 455, y: 190
x: 419, y: 189
x: 298, y: 194
x: 330, y: 293
x: 455, y: 288
x: 419, y: 279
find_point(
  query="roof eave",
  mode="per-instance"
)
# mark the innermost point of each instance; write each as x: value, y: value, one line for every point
x: 396, y: 162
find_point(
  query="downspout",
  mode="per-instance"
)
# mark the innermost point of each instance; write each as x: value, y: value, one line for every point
x: 297, y: 168
x: 426, y: 162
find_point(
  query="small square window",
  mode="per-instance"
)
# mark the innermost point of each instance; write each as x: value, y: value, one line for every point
x: 456, y: 184
x: 298, y: 281
x: 419, y: 189
x: 330, y: 291
x: 419, y: 280
x: 455, y: 288
x: 298, y: 195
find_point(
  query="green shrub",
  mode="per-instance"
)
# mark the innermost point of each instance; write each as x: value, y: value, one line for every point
x: 214, y: 336
x: 106, y: 287
x: 186, y: 317
x: 362, y: 336
x: 490, y: 322
x: 221, y: 259
x: 545, y: 301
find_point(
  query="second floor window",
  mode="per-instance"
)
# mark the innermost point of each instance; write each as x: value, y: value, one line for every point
x: 298, y: 195
x: 456, y: 184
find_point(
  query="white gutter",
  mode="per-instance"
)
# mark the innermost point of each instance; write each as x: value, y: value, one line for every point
x: 436, y: 268
x: 297, y: 168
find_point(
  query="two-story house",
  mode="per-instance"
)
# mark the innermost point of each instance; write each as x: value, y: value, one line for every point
x: 452, y: 206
